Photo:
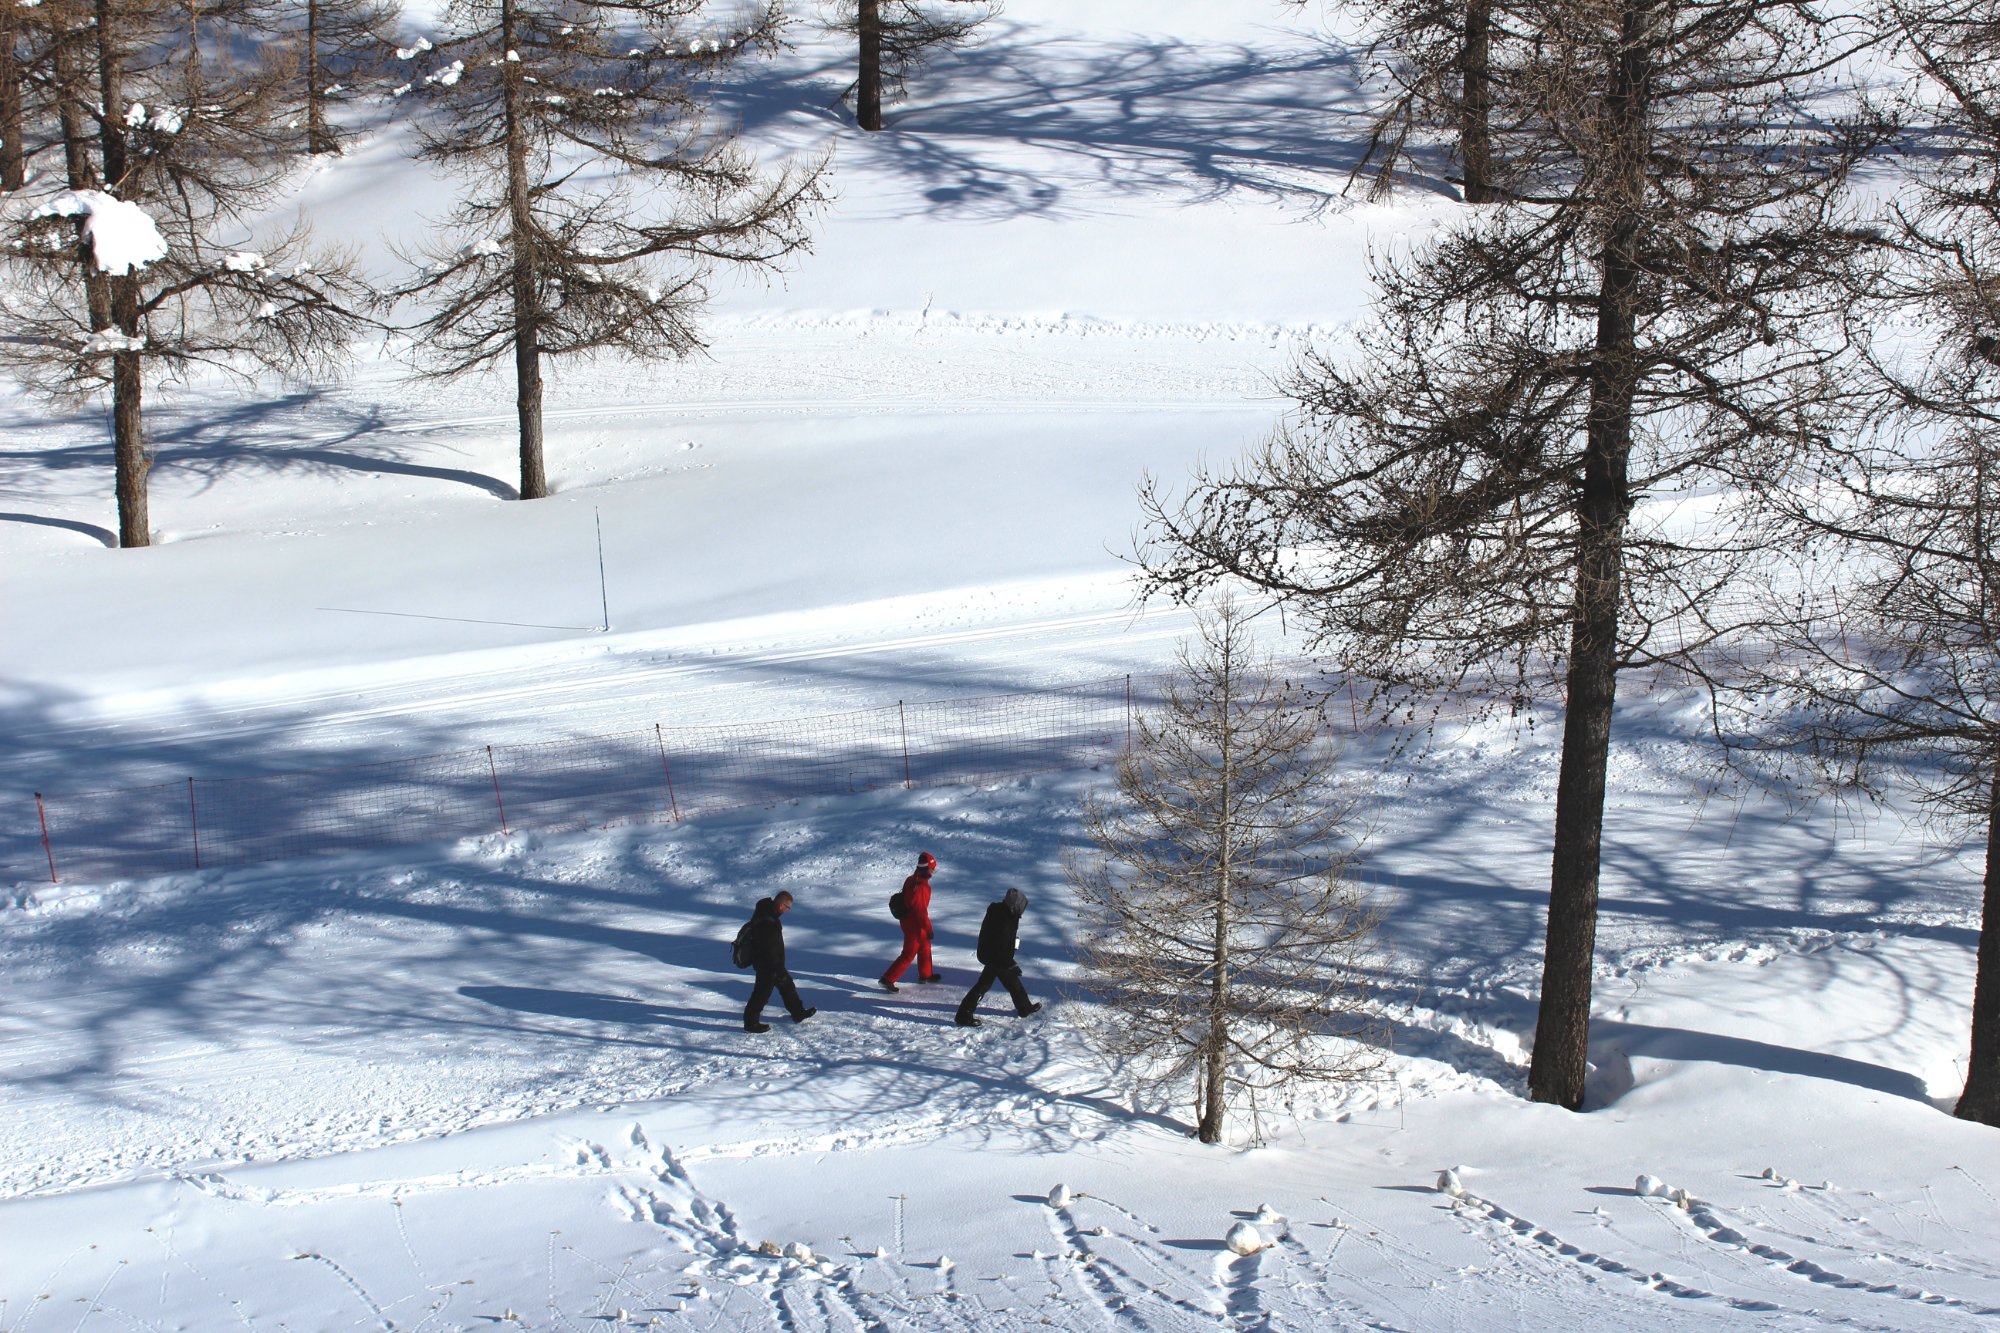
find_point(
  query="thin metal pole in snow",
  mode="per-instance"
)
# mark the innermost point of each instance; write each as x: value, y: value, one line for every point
x: 603, y: 595
x: 43, y: 815
x: 1128, y: 712
x: 672, y: 801
x: 903, y: 725
x: 499, y: 800
x: 194, y: 821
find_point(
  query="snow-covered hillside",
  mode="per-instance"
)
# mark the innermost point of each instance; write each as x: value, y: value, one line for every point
x: 504, y: 1082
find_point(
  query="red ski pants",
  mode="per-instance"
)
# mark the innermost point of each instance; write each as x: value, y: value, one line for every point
x: 917, y: 945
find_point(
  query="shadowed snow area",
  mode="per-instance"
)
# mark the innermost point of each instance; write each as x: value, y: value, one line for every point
x: 504, y: 1082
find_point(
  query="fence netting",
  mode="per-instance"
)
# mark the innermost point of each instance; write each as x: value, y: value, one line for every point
x: 654, y: 774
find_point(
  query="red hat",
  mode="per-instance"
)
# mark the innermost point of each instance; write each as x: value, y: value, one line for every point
x: 925, y: 861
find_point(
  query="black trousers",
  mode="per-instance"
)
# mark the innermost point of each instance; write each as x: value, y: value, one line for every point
x: 779, y: 980
x: 1008, y: 976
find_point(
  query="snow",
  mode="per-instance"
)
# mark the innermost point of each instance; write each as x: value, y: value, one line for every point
x: 505, y: 1081
x: 111, y: 340
x: 1243, y: 1240
x: 122, y: 234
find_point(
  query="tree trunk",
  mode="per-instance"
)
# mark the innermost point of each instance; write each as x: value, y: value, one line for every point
x: 1475, y: 131
x: 1562, y: 1027
x: 131, y: 465
x: 1981, y: 1098
x: 318, y: 138
x: 13, y: 155
x: 1216, y: 1061
x: 526, y: 288
x: 868, y: 87
x: 81, y: 171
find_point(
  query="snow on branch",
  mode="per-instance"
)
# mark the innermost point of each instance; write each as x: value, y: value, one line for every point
x: 123, y: 237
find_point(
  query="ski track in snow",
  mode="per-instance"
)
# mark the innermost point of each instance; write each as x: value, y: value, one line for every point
x: 1720, y: 1239
x: 1127, y: 1276
x: 1732, y: 1234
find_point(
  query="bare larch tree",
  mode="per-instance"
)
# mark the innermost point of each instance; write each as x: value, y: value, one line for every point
x: 339, y: 48
x: 598, y: 196
x: 1219, y: 932
x: 132, y: 259
x: 895, y: 39
x: 1896, y: 666
x: 1494, y: 489
x: 1447, y: 65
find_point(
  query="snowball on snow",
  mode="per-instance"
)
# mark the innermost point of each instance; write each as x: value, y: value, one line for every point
x: 1448, y: 1183
x: 1647, y: 1187
x: 1244, y: 1239
x: 800, y: 1251
x: 1060, y: 1197
x: 122, y: 235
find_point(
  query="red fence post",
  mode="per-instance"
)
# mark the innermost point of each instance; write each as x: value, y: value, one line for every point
x: 672, y: 802
x: 43, y: 815
x: 903, y: 725
x: 499, y: 800
x: 194, y: 822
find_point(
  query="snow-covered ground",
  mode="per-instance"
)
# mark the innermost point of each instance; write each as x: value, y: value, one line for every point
x: 505, y: 1080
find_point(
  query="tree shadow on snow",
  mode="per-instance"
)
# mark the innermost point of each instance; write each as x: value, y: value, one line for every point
x: 304, y: 432
x: 542, y: 958
x: 1615, y: 1044
x: 1153, y: 116
x: 102, y: 536
x: 256, y: 436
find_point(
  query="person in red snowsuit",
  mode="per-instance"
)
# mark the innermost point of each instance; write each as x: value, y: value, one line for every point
x: 916, y: 926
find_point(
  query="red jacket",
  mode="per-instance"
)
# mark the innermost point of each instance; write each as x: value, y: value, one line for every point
x: 917, y: 906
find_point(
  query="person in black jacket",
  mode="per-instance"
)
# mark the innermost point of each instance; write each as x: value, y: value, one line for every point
x: 998, y: 935
x: 767, y: 955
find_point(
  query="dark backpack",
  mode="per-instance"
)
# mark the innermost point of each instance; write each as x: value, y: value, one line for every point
x: 739, y: 952
x: 899, y: 906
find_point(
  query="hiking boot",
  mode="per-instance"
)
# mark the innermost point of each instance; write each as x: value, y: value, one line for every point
x: 756, y: 1027
x: 803, y: 1014
x: 933, y: 977
x: 966, y: 1021
x: 1034, y: 1008
x: 889, y: 985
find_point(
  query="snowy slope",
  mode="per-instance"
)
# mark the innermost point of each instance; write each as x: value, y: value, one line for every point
x: 504, y: 1082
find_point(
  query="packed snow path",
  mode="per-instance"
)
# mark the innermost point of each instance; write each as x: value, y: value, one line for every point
x: 511, y: 1078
